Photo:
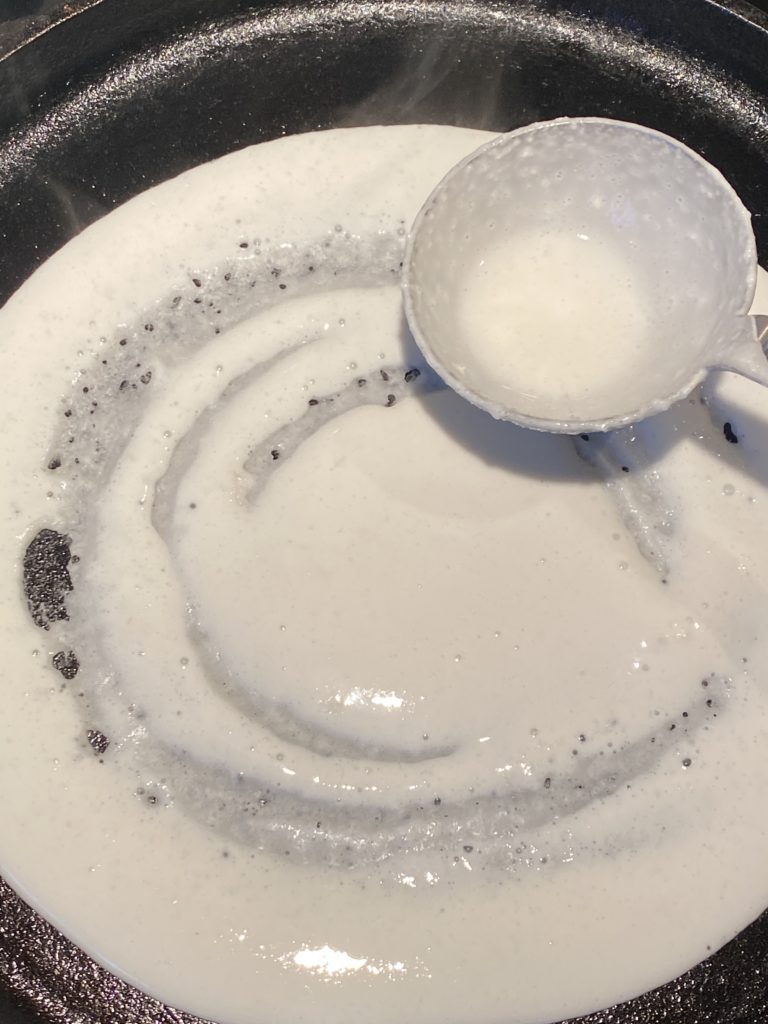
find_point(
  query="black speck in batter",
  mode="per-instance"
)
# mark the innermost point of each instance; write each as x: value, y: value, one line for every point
x: 46, y: 577
x: 98, y: 741
x: 66, y: 662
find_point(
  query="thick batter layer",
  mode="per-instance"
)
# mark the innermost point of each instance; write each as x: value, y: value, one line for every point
x: 326, y: 696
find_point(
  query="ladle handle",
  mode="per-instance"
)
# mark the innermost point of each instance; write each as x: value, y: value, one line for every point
x: 761, y: 323
x: 747, y: 353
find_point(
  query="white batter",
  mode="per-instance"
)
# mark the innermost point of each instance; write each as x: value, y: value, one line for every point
x: 411, y: 714
x: 565, y: 349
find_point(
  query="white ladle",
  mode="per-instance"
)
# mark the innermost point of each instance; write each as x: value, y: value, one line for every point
x: 582, y: 274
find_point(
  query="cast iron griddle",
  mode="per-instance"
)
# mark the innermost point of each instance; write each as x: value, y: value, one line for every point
x: 104, y: 98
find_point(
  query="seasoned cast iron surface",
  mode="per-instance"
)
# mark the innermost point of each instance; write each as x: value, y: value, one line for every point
x: 102, y: 98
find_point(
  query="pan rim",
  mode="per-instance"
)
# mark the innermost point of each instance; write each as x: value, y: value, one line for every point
x: 42, y: 25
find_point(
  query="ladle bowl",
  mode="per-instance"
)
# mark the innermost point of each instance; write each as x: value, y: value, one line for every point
x: 582, y: 274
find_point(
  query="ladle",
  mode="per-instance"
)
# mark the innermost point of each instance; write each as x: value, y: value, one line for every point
x: 582, y: 274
